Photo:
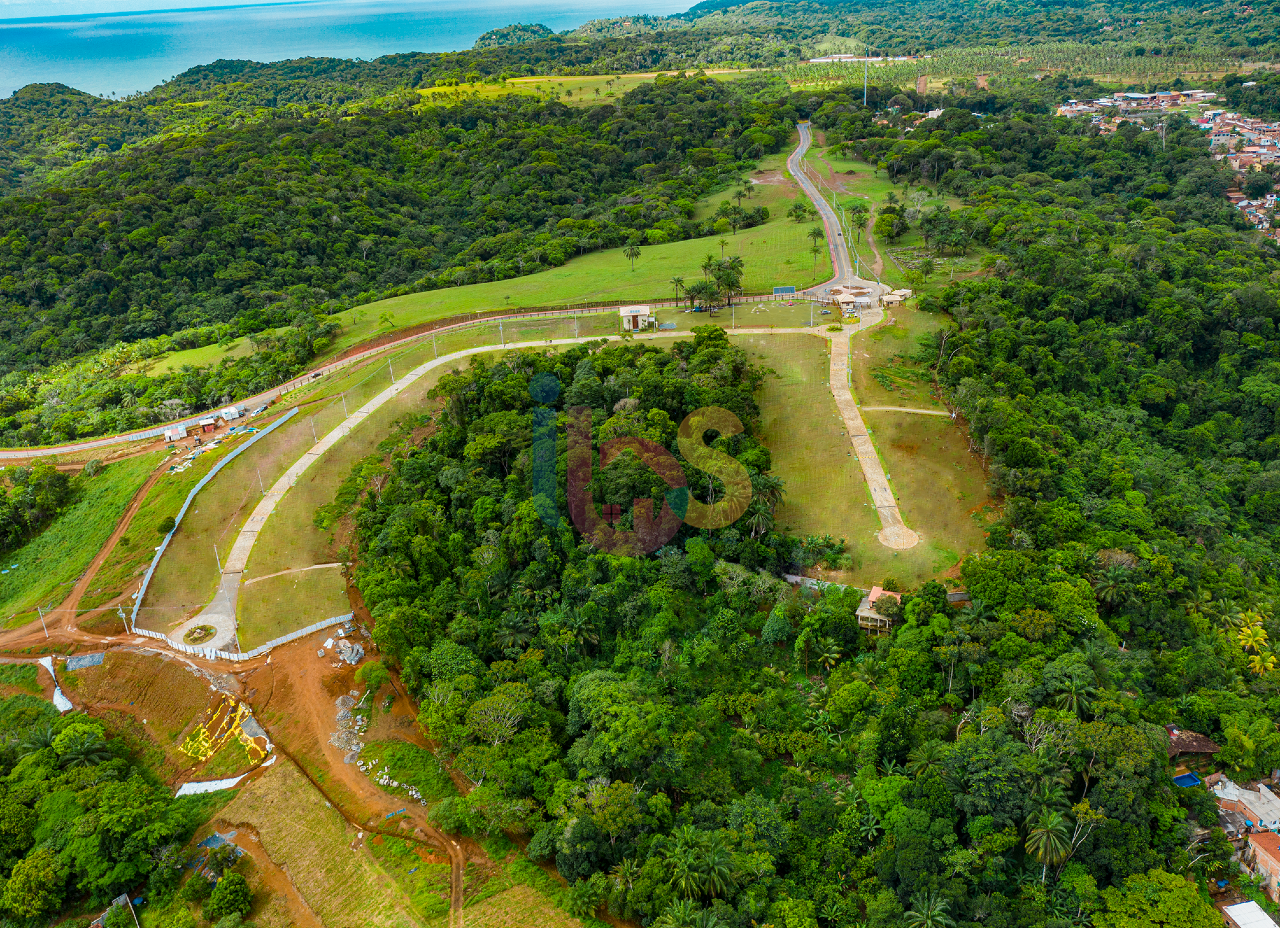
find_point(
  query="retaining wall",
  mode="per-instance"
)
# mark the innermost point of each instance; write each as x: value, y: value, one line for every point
x: 213, y: 654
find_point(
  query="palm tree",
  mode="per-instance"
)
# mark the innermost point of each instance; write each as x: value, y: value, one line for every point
x: 1262, y: 663
x: 1049, y: 794
x: 816, y: 234
x: 625, y: 874
x: 724, y: 242
x: 678, y: 284
x: 929, y: 910
x: 717, y: 867
x: 680, y: 914
x: 87, y: 750
x: 1112, y: 587
x: 1075, y: 697
x: 869, y: 826
x: 707, y: 266
x: 1048, y: 840
x: 925, y: 757
x: 37, y: 740
x: 828, y: 653
x: 1252, y: 638
x: 632, y: 251
x: 686, y: 874
x: 815, y: 249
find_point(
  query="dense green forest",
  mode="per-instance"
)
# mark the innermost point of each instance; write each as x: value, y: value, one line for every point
x: 83, y: 819
x: 693, y: 742
x: 916, y: 27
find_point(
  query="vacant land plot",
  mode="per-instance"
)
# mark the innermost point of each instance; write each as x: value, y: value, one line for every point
x: 276, y: 606
x: 825, y: 490
x: 776, y: 253
x: 42, y: 572
x: 310, y: 840
x: 518, y: 907
x: 940, y: 487
x: 187, y: 575
x: 884, y: 373
x: 128, y: 560
x: 422, y: 874
x: 161, y: 695
x: 197, y: 357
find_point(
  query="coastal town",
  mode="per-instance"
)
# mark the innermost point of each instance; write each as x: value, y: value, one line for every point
x: 1249, y: 146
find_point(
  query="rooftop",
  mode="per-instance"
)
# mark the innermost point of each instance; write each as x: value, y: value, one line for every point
x: 1248, y: 915
x: 1263, y: 808
x: 1189, y: 742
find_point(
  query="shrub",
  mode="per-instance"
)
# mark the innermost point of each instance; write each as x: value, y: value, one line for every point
x: 230, y: 897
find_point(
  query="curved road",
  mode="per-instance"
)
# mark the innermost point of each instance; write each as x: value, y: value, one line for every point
x: 841, y: 263
x: 893, y: 532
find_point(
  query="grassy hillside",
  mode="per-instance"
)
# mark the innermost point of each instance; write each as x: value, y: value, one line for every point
x: 43, y: 572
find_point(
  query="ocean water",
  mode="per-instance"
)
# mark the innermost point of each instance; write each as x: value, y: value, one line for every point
x: 123, y: 52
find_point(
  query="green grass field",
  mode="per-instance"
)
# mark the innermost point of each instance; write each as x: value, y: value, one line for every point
x: 278, y: 605
x: 580, y: 89
x: 187, y: 575
x: 883, y: 373
x: 43, y: 572
x: 128, y: 560
x: 198, y: 357
x: 940, y: 485
x: 775, y: 254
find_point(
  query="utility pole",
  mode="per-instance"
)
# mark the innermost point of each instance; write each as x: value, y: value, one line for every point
x: 42, y: 625
x: 217, y: 559
x: 313, y: 429
x: 502, y: 338
x: 434, y: 350
x: 345, y: 414
x: 123, y: 618
x: 391, y: 369
x: 261, y: 486
x: 866, y: 63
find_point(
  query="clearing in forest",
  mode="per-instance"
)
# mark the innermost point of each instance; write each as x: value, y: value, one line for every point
x: 938, y: 484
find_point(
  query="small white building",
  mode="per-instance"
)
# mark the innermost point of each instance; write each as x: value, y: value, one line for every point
x: 176, y: 433
x: 230, y: 413
x: 1247, y: 915
x: 636, y: 318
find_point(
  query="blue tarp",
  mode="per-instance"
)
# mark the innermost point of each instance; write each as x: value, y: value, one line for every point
x: 1187, y: 779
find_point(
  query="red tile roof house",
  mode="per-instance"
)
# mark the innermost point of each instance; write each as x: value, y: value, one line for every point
x: 1189, y: 750
x: 871, y: 620
x: 1265, y: 853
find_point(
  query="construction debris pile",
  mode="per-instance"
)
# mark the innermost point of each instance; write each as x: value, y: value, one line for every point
x: 384, y: 779
x: 349, y: 651
x: 350, y: 728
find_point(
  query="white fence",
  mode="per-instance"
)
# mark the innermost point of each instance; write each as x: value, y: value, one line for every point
x: 213, y: 654
x: 213, y: 472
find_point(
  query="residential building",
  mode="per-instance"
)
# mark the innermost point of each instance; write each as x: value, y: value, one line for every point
x: 869, y: 618
x: 1188, y: 749
x: 1260, y: 807
x: 1263, y: 855
x: 1247, y: 915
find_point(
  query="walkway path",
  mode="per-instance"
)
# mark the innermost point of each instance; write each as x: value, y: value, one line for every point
x: 922, y: 412
x: 894, y: 532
